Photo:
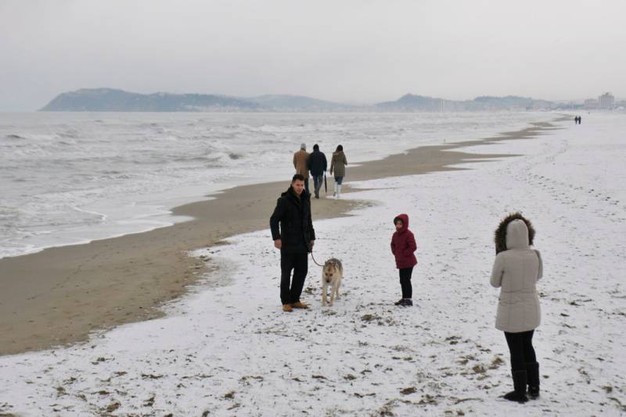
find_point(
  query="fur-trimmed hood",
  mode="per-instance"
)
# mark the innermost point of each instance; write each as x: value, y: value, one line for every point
x: 500, y: 237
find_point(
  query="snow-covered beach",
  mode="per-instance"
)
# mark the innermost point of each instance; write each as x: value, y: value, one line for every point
x: 228, y: 349
x: 97, y: 197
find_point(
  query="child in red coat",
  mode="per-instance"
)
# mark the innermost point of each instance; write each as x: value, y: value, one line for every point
x: 403, y: 247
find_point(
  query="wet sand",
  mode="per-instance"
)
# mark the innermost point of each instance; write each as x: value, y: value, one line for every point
x: 60, y: 295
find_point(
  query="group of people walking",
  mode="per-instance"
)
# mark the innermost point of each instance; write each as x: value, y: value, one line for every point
x: 316, y: 163
x: 516, y: 269
x: 291, y: 222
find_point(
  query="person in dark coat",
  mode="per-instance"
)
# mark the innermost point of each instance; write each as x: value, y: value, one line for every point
x: 516, y: 270
x: 317, y: 166
x: 292, y: 231
x: 403, y: 247
x: 338, y: 164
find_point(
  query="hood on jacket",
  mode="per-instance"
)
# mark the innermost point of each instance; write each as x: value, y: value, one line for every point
x: 405, y: 221
x: 517, y: 235
x: 501, y: 235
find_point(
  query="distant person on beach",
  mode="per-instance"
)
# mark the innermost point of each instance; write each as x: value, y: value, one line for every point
x: 292, y: 231
x: 317, y: 166
x: 516, y: 270
x: 403, y: 247
x: 338, y: 167
x: 301, y: 164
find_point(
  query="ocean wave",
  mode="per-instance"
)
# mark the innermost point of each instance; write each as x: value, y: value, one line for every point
x: 76, y: 172
x: 14, y: 137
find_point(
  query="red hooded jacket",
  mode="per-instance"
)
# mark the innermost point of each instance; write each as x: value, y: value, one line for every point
x: 403, y: 244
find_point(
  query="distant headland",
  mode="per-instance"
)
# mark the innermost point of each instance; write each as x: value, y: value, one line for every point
x: 113, y: 100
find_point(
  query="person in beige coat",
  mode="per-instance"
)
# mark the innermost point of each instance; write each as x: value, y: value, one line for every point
x: 301, y: 164
x: 516, y: 270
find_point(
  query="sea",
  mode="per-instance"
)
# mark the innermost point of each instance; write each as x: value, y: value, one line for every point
x: 69, y: 178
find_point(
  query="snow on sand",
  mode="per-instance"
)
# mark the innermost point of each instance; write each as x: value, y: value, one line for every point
x: 228, y: 349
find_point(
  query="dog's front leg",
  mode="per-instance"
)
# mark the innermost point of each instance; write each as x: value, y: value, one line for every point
x: 333, y: 293
x: 324, y: 288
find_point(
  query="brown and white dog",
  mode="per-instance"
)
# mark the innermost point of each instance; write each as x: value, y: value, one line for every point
x: 332, y: 274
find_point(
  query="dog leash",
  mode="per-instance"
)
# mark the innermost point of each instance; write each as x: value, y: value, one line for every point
x: 314, y: 261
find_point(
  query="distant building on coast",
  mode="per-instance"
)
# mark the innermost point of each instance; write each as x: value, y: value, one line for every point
x: 606, y: 101
x: 591, y: 103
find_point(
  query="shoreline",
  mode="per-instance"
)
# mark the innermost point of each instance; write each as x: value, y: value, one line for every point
x: 60, y: 295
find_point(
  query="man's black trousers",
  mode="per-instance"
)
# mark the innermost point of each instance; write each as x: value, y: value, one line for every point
x: 291, y: 289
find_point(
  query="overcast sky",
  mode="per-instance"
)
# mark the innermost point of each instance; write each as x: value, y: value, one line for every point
x: 355, y: 51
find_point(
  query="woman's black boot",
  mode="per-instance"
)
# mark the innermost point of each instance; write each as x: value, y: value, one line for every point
x: 520, y: 379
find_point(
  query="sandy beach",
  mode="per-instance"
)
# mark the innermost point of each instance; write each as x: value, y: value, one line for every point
x: 60, y: 295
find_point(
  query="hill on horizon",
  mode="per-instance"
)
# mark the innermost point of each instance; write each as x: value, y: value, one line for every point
x: 115, y: 100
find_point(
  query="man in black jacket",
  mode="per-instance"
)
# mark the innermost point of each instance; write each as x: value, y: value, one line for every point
x: 317, y: 166
x: 293, y: 233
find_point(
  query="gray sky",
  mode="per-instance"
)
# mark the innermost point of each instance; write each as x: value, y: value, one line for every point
x: 356, y: 51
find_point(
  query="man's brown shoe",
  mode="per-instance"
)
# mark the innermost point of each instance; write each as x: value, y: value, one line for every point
x: 299, y: 304
x: 287, y: 308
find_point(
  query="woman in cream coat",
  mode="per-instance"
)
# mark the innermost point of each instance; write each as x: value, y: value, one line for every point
x: 516, y: 270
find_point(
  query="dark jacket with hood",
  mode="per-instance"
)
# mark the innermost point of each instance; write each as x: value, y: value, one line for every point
x: 403, y: 244
x: 317, y: 163
x: 291, y: 222
x: 338, y: 164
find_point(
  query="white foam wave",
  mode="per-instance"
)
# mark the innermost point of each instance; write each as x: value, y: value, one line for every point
x: 73, y: 177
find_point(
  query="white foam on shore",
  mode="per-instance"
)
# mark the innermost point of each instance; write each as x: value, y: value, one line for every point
x: 76, y: 177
